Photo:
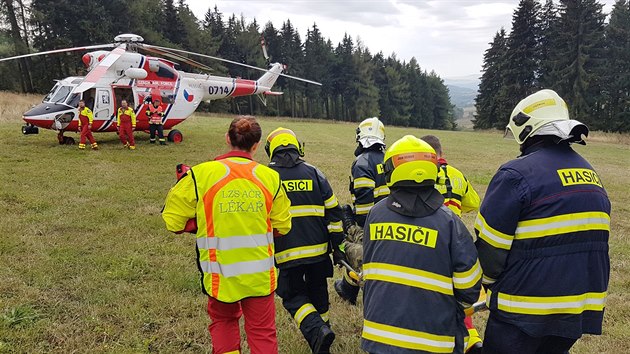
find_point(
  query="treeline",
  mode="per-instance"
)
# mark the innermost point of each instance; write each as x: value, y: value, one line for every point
x: 355, y: 83
x: 569, y: 48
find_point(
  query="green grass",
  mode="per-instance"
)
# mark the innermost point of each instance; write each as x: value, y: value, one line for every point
x: 86, y: 264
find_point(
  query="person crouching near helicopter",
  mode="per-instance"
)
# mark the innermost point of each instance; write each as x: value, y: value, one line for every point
x: 236, y: 206
x: 85, y: 126
x: 126, y: 122
x: 420, y: 265
x: 154, y: 112
x: 302, y: 256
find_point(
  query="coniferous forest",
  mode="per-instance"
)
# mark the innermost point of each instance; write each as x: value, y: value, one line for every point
x: 356, y: 83
x: 570, y: 46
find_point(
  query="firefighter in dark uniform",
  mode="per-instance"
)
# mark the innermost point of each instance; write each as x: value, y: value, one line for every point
x: 460, y: 197
x: 420, y: 266
x: 543, y: 231
x: 303, y: 254
x: 367, y: 187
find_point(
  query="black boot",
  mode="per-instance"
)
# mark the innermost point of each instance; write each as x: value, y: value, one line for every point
x: 324, y: 340
x: 347, y: 217
x: 347, y: 291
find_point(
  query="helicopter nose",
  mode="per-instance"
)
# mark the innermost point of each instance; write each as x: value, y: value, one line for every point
x: 46, y: 115
x: 45, y: 109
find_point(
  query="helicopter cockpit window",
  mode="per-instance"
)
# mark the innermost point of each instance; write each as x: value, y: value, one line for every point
x: 73, y: 100
x: 51, y: 93
x: 165, y: 71
x: 61, y: 94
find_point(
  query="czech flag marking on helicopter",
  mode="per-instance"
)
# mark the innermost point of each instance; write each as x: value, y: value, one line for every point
x: 188, y: 96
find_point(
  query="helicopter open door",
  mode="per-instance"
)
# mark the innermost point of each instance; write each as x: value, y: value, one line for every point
x: 102, y: 104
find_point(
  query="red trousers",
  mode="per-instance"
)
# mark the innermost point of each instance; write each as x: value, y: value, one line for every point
x: 125, y: 131
x: 260, y: 325
x: 86, y: 133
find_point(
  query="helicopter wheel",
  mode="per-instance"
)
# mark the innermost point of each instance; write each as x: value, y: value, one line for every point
x: 175, y: 136
x: 67, y: 140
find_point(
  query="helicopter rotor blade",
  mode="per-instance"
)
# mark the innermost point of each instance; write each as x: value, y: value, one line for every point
x: 231, y: 62
x: 99, y: 46
x: 176, y: 57
x: 97, y: 73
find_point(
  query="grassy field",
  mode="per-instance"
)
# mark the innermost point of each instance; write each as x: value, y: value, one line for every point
x: 87, y: 266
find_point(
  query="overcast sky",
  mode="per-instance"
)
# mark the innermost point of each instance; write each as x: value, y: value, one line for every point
x: 448, y: 36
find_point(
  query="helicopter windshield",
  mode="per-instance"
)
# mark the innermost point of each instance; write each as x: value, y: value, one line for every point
x: 50, y: 94
x: 73, y: 100
x: 61, y: 94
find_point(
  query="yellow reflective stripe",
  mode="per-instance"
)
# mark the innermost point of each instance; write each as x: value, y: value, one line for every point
x: 407, y: 338
x: 363, y: 182
x: 302, y: 312
x: 306, y: 210
x: 408, y: 276
x: 301, y: 252
x: 467, y: 279
x: 539, y: 104
x: 562, y: 224
x: 381, y: 191
x: 233, y: 352
x: 324, y: 316
x: 550, y: 305
x: 362, y: 209
x: 492, y: 236
x: 331, y: 202
x: 335, y: 226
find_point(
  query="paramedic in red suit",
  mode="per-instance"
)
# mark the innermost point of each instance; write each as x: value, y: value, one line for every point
x: 126, y: 120
x: 85, y: 126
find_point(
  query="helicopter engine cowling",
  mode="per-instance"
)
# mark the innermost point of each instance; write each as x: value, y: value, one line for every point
x: 136, y: 73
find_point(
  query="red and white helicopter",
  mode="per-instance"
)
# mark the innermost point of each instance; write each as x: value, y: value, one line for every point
x: 123, y: 73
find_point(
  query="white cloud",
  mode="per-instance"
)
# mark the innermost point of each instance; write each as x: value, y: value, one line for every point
x: 448, y: 36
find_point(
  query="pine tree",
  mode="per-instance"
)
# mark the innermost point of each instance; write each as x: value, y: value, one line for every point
x: 579, y: 57
x: 491, y: 108
x: 363, y: 93
x: 522, y: 54
x: 172, y: 26
x: 617, y: 72
x: 548, y: 32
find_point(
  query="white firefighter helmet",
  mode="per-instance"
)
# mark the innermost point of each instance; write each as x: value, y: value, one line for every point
x: 371, y: 131
x: 544, y: 113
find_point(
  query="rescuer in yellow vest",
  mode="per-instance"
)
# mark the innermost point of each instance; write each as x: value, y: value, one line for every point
x: 302, y: 255
x: 236, y: 207
x: 420, y: 265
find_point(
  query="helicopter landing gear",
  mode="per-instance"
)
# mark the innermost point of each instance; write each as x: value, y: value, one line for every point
x: 64, y: 140
x: 175, y: 136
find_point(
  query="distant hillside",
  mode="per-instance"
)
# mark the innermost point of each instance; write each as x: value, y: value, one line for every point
x: 463, y: 89
x: 462, y: 96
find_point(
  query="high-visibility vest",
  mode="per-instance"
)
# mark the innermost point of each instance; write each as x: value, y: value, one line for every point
x: 154, y: 114
x: 459, y: 194
x: 543, y: 231
x: 417, y: 272
x: 85, y: 116
x: 235, y: 246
